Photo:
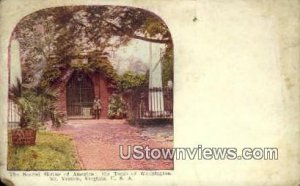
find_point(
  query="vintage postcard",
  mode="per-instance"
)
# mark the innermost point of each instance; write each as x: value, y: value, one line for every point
x: 188, y: 92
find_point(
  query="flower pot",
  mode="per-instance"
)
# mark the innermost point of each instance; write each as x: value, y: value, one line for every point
x: 21, y: 137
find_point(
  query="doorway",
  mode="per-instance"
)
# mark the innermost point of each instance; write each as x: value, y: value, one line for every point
x: 80, y: 95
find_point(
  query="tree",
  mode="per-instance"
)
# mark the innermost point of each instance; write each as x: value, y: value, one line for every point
x: 131, y: 80
x: 64, y: 32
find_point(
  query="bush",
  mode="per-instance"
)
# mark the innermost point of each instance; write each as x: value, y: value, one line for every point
x: 35, y: 104
x: 131, y: 80
x: 116, y: 107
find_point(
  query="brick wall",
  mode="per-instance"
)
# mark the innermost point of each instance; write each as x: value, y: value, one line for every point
x: 100, y: 90
x: 61, y: 103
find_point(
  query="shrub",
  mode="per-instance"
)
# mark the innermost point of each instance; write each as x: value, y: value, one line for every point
x: 132, y: 80
x: 116, y: 107
x: 34, y: 105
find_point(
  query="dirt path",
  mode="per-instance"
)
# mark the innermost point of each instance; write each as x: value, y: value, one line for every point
x: 97, y: 143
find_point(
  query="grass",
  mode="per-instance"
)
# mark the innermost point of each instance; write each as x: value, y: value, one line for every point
x: 51, y: 152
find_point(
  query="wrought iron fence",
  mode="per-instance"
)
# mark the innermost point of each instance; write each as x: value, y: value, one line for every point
x: 151, y: 103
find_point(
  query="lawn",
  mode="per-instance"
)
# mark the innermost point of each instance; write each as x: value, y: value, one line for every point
x: 51, y: 152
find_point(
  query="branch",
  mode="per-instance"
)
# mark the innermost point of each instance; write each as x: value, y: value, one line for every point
x: 149, y: 39
x: 120, y: 30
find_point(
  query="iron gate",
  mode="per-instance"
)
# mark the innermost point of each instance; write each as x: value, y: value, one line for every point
x: 80, y: 95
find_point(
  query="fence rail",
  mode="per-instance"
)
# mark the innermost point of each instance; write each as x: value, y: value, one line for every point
x: 152, y: 103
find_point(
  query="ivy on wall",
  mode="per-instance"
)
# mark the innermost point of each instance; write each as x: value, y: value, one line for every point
x: 55, y: 70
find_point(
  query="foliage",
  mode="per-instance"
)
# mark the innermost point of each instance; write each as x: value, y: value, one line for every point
x: 51, y: 73
x: 22, y: 98
x: 167, y: 67
x: 66, y: 31
x: 116, y: 107
x: 51, y: 152
x: 44, y: 100
x: 154, y: 27
x: 34, y: 105
x: 131, y: 80
x: 100, y: 65
x: 54, y: 70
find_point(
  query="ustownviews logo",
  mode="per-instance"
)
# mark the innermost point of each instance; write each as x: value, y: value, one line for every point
x: 139, y: 152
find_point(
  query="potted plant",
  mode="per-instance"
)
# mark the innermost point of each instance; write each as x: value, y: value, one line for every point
x: 35, y: 104
x: 26, y: 134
